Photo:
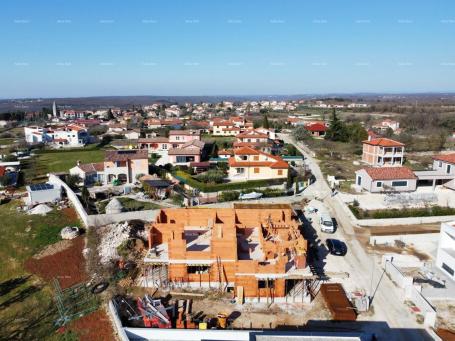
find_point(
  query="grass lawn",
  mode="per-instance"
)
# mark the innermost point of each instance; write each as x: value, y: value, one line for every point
x: 220, y: 140
x: 27, y: 311
x: 7, y: 141
x: 36, y: 168
x: 130, y: 205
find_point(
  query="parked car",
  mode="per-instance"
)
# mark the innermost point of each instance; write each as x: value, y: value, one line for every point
x: 336, y: 247
x: 326, y: 222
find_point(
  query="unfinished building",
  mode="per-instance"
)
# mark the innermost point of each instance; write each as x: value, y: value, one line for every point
x: 253, y: 251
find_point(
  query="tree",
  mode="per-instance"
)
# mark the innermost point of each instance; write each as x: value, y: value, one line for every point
x: 356, y: 132
x: 73, y: 180
x: 301, y: 134
x: 265, y: 122
x: 85, y: 196
x: 110, y: 115
x: 337, y: 129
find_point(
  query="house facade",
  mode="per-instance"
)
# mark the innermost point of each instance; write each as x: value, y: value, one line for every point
x: 250, y: 164
x: 383, y: 152
x: 179, y: 137
x: 384, y: 179
x: 445, y: 258
x: 122, y: 165
x: 445, y: 164
x: 70, y: 135
x: 186, y: 153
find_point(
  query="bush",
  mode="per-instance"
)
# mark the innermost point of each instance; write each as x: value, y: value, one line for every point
x: 212, y: 176
x: 401, y: 213
x: 228, y: 196
x: 231, y: 186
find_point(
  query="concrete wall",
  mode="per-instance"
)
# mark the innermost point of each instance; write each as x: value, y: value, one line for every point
x: 72, y: 197
x: 104, y: 219
x: 411, y: 292
x: 117, y: 323
x: 405, y: 238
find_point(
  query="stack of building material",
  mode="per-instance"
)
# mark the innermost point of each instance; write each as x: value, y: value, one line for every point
x: 337, y: 302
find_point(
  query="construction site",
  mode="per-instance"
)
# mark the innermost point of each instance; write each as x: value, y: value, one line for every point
x: 254, y: 252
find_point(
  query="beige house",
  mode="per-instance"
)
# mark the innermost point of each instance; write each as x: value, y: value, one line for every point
x: 250, y: 164
x: 122, y: 165
x: 382, y: 152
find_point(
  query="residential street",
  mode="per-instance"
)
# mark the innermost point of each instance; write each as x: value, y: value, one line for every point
x: 363, y: 268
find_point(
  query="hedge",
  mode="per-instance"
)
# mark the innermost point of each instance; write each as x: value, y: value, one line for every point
x: 188, y: 179
x: 401, y: 213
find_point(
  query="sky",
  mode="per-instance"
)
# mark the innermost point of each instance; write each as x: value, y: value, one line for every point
x: 72, y: 48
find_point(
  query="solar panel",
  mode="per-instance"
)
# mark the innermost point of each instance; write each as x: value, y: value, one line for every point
x: 41, y: 187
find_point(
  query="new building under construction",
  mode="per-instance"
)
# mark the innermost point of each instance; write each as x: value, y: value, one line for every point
x: 253, y: 251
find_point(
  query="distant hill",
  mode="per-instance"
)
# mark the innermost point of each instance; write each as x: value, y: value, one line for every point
x: 124, y: 102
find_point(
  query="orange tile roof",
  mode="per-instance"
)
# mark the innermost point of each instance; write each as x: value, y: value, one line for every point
x: 246, y: 151
x: 450, y: 158
x: 252, y: 134
x: 390, y: 173
x: 384, y: 142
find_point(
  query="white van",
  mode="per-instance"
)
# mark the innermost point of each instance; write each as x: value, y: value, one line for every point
x: 326, y: 222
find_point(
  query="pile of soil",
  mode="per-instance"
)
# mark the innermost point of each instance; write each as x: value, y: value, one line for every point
x: 64, y: 262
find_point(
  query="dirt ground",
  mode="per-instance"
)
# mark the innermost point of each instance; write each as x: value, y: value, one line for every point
x: 445, y: 312
x: 67, y: 263
x: 94, y: 327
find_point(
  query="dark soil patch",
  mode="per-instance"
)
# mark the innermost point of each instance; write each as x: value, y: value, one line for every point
x: 94, y: 327
x: 68, y: 265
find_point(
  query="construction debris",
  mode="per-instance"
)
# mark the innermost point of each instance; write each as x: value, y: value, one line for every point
x: 113, y: 236
x: 41, y: 209
x: 69, y: 232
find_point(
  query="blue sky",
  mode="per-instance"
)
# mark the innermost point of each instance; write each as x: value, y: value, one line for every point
x: 67, y: 48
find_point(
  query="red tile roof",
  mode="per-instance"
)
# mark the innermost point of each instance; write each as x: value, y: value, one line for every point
x: 384, y: 142
x: 316, y: 126
x: 124, y: 155
x: 390, y: 173
x: 92, y: 167
x: 246, y: 151
x: 450, y: 158
x: 251, y: 134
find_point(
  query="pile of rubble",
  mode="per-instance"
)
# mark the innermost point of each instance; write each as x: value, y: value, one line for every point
x: 114, y: 235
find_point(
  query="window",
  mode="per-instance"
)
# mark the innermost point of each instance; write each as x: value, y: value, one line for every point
x: 256, y: 170
x: 379, y: 184
x: 448, y: 169
x: 198, y: 269
x: 181, y: 159
x: 256, y: 158
x: 448, y: 269
x: 240, y: 170
x: 280, y: 172
x: 262, y: 284
x: 177, y: 138
x: 164, y: 146
x: 244, y: 157
x: 359, y: 181
x: 403, y: 183
x: 440, y: 164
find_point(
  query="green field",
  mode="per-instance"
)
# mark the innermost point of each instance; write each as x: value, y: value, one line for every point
x: 27, y: 311
x: 35, y: 169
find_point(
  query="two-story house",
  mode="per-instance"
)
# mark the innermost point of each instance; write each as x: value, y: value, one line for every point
x: 251, y: 164
x: 383, y: 152
x: 186, y: 153
x: 180, y: 137
x: 121, y: 165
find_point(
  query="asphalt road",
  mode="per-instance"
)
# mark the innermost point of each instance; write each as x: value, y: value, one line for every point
x: 363, y: 268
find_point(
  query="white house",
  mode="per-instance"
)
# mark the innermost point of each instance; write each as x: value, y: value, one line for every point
x: 70, y: 135
x: 445, y: 259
